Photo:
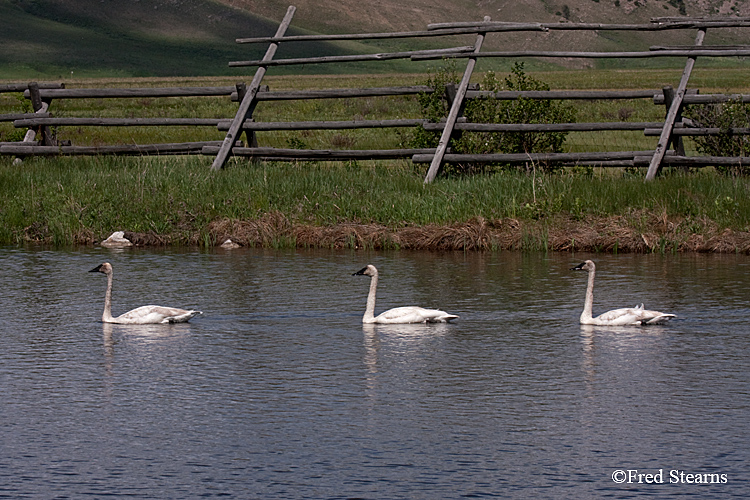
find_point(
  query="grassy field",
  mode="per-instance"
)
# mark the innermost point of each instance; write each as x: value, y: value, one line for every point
x: 179, y: 200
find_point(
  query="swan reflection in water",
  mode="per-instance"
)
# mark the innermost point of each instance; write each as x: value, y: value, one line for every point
x: 398, y: 343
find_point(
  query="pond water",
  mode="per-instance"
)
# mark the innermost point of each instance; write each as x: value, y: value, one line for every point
x: 279, y: 391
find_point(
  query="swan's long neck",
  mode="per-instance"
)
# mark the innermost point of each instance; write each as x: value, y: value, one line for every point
x: 369, y: 316
x: 107, y: 315
x: 588, y: 305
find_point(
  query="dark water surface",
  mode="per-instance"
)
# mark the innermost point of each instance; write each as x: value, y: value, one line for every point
x: 278, y: 391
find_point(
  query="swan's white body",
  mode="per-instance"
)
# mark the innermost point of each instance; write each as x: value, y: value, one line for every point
x: 408, y: 314
x: 143, y: 315
x: 616, y: 317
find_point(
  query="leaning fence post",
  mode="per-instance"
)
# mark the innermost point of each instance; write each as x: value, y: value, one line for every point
x: 450, y: 94
x: 247, y: 101
x: 252, y: 140
x: 457, y: 105
x: 674, y: 110
x: 677, y: 143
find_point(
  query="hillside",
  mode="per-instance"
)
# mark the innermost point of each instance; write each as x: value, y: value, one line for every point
x: 134, y: 38
x: 390, y: 15
x: 197, y: 37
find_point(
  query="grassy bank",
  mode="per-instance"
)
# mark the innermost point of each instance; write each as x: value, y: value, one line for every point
x: 180, y: 201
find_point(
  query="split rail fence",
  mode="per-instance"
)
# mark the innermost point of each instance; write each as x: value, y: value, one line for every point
x: 39, y: 140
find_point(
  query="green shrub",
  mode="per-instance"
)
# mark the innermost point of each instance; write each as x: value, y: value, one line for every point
x: 492, y: 110
x: 725, y: 116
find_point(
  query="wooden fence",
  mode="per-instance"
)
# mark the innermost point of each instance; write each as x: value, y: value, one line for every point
x: 39, y: 141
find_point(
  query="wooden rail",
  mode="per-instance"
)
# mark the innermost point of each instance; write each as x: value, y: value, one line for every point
x: 38, y: 139
x: 22, y: 87
x: 674, y: 100
x: 248, y: 102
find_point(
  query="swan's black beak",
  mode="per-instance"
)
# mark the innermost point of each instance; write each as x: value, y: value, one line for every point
x: 96, y: 269
x: 361, y: 272
x: 579, y: 267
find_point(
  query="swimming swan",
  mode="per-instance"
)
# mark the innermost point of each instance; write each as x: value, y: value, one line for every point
x: 142, y: 315
x: 409, y: 314
x: 625, y: 316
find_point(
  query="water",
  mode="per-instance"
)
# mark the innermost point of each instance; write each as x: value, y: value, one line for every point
x: 278, y: 391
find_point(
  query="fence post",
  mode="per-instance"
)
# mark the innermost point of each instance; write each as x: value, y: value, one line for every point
x: 40, y: 107
x: 457, y: 105
x: 674, y: 110
x: 247, y: 101
x: 677, y: 143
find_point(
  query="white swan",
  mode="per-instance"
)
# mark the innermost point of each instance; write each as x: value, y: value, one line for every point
x: 625, y: 316
x: 409, y: 314
x: 142, y: 315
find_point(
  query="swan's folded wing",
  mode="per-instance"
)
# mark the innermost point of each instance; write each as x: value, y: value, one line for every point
x: 400, y: 315
x: 412, y: 314
x: 156, y: 314
x: 633, y: 316
x: 618, y: 317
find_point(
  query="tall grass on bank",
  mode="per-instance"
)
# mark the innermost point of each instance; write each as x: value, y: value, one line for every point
x: 70, y: 200
x: 73, y: 200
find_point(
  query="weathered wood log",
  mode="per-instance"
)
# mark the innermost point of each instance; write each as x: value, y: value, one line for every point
x: 103, y: 93
x: 563, y: 94
x: 462, y: 28
x: 11, y: 117
x: 457, y: 105
x: 40, y: 106
x: 707, y: 98
x: 704, y: 47
x: 17, y: 143
x: 248, y: 100
x: 676, y: 142
x: 117, y: 122
x: 544, y: 127
x: 532, y: 157
x: 325, y: 125
x: 121, y: 149
x: 674, y: 24
x: 21, y: 87
x: 498, y: 27
x: 705, y: 161
x: 699, y: 131
x: 340, y: 93
x: 588, y: 55
x: 675, y: 108
x: 30, y: 137
x: 384, y: 56
x: 321, y: 154
x: 705, y: 19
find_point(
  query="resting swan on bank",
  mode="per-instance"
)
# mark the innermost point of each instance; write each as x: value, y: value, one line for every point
x: 408, y: 314
x: 617, y: 317
x: 144, y: 315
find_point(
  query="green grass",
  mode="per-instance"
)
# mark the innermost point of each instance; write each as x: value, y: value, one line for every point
x: 67, y: 200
